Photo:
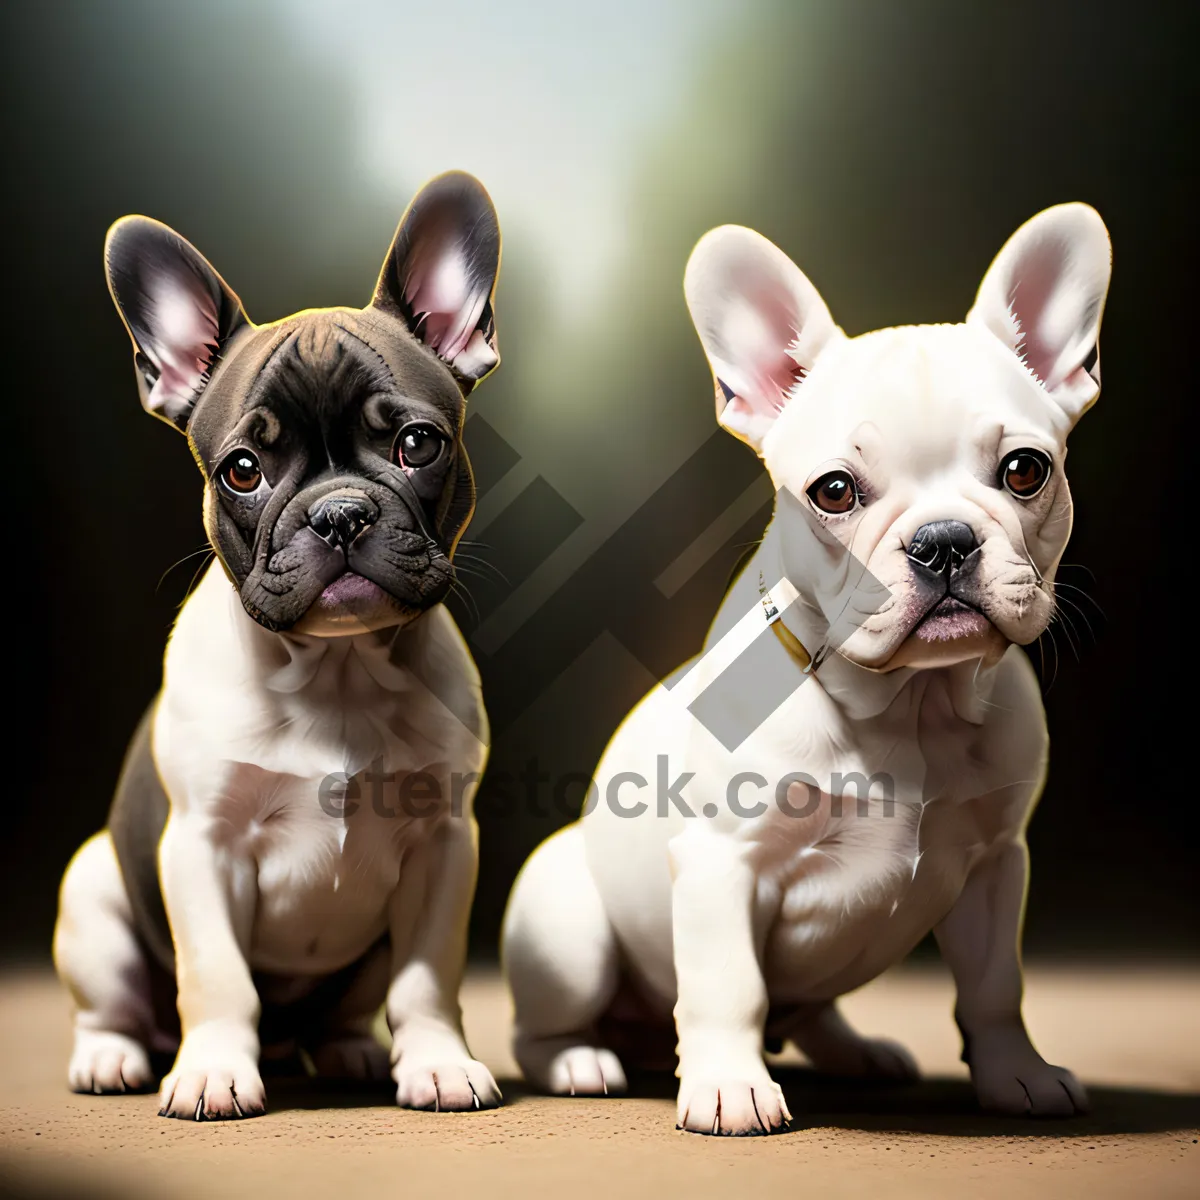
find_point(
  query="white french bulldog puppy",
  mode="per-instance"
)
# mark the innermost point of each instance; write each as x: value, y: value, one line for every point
x: 854, y: 758
x: 291, y: 844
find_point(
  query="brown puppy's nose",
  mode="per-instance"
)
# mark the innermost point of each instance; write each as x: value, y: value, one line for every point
x: 940, y: 547
x: 338, y: 519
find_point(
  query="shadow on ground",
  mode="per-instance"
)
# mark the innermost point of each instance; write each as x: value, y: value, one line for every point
x: 942, y: 1107
x: 947, y: 1108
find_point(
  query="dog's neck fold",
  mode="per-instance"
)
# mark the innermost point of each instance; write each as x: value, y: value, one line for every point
x: 289, y: 663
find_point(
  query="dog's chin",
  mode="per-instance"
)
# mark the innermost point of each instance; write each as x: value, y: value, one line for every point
x: 353, y: 604
x: 950, y: 633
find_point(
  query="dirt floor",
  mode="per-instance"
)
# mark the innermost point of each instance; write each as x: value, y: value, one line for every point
x: 1133, y: 1036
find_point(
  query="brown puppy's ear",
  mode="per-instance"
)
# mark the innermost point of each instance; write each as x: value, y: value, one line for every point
x: 178, y: 310
x: 439, y: 276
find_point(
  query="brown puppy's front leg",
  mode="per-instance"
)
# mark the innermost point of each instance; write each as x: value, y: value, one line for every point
x: 431, y: 1064
x: 980, y: 940
x: 210, y: 894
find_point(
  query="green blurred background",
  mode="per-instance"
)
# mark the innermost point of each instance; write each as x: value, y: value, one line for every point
x: 890, y: 146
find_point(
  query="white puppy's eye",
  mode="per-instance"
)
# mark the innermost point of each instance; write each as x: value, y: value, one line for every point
x: 241, y: 472
x: 1023, y: 473
x: 834, y: 493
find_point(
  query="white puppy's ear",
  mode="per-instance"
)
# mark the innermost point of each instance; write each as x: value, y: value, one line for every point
x: 179, y: 312
x: 1043, y: 297
x: 761, y: 322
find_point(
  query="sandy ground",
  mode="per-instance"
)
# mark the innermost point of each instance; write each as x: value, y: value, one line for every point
x: 1133, y: 1036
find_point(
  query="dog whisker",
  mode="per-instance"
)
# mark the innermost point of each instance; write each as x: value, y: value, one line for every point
x: 459, y: 589
x: 205, y: 549
x: 482, y: 562
x: 1080, y: 613
x: 196, y: 575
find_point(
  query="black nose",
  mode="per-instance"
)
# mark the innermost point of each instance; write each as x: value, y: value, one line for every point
x: 340, y: 519
x: 941, y: 546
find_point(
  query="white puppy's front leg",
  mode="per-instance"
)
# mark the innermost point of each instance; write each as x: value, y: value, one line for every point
x: 431, y: 1064
x: 210, y: 894
x: 724, y: 1086
x: 980, y: 939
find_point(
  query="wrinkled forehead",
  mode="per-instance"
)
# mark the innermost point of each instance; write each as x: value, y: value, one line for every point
x: 911, y: 395
x: 316, y: 368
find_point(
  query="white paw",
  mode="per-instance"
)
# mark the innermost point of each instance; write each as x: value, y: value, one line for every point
x: 354, y: 1056
x: 104, y: 1062
x: 448, y: 1085
x: 569, y: 1066
x: 732, y: 1107
x: 585, y: 1071
x: 1011, y: 1077
x: 214, y: 1078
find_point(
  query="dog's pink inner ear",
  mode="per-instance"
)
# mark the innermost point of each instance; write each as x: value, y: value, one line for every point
x: 1048, y: 326
x: 447, y: 304
x: 1043, y: 297
x: 183, y: 333
x: 761, y: 322
x: 758, y: 337
x: 440, y: 271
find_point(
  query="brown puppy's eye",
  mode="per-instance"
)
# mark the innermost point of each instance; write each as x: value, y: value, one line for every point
x: 1024, y: 473
x: 834, y: 493
x: 418, y: 445
x: 241, y: 472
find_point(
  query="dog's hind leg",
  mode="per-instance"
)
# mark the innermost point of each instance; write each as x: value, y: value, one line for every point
x: 560, y: 958
x: 346, y: 1046
x: 833, y: 1047
x: 100, y: 960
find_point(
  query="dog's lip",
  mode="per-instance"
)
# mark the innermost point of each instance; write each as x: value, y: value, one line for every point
x: 949, y: 619
x: 352, y: 588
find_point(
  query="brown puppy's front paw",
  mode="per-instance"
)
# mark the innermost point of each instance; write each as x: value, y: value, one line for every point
x: 224, y: 1092
x: 104, y: 1063
x: 732, y: 1107
x: 214, y: 1078
x: 1012, y: 1078
x: 461, y: 1086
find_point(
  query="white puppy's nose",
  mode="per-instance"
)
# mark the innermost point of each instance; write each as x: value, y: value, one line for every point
x: 940, y: 547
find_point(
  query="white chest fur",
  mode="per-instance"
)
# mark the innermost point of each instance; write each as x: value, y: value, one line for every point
x: 321, y: 761
x: 843, y: 890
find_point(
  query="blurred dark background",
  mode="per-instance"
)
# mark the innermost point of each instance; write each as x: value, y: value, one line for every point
x: 889, y: 148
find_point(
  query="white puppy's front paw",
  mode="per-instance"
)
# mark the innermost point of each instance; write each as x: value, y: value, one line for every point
x: 214, y: 1078
x: 732, y: 1106
x: 103, y: 1062
x: 444, y: 1084
x: 1011, y: 1077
